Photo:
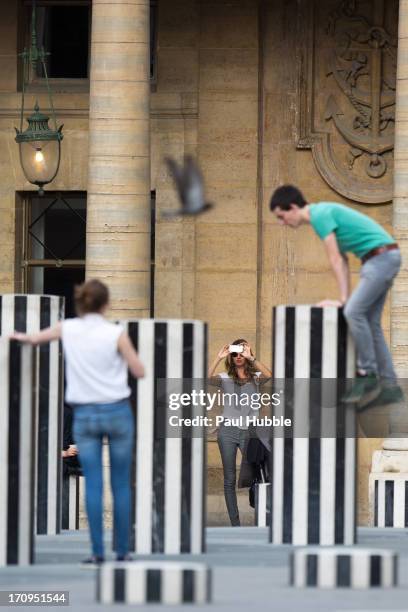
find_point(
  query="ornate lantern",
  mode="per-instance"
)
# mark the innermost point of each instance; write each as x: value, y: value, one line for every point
x: 39, y: 145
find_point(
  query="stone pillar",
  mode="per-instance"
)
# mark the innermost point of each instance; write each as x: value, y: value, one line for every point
x: 388, y: 488
x: 262, y: 504
x: 154, y: 582
x: 169, y: 480
x: 313, y: 460
x: 394, y: 456
x: 345, y: 567
x: 70, y: 501
x: 399, y: 309
x: 31, y: 313
x: 17, y: 449
x: 118, y: 222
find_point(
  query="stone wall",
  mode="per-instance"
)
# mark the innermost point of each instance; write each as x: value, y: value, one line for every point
x: 227, y: 92
x: 72, y: 111
x: 294, y: 266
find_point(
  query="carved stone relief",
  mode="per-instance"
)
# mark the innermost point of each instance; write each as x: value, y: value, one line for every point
x: 347, y: 76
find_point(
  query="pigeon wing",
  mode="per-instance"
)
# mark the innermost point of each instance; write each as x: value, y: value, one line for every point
x: 193, y: 186
x: 177, y: 173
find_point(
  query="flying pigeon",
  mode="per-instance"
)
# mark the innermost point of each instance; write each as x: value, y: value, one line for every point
x: 190, y: 187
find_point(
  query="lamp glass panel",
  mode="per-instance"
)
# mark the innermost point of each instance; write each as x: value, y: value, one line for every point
x: 40, y: 160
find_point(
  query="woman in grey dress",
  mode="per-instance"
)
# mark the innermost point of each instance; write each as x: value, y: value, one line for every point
x: 240, y: 381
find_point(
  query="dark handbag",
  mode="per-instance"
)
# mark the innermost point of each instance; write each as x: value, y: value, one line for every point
x: 71, y: 467
x: 251, y: 492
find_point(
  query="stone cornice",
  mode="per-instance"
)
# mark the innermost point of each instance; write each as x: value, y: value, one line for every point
x: 77, y: 104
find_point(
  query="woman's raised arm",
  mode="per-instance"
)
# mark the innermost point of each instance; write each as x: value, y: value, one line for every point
x: 42, y: 337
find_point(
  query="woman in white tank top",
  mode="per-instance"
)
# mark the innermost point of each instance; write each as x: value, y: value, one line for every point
x: 98, y: 355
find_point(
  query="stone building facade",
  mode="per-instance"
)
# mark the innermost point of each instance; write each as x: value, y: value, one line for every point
x: 261, y: 92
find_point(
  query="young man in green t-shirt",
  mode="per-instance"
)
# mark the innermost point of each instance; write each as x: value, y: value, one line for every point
x: 344, y: 230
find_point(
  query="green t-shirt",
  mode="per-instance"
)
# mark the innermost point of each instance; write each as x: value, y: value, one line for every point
x: 356, y: 233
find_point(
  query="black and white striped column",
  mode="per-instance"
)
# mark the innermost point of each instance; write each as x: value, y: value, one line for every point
x: 70, y: 501
x: 170, y: 471
x: 313, y: 462
x: 17, y: 449
x: 164, y: 582
x: 389, y: 499
x: 262, y: 504
x: 31, y: 313
x: 341, y: 566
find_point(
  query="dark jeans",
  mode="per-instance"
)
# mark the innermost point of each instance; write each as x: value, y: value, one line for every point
x: 91, y: 423
x: 229, y: 440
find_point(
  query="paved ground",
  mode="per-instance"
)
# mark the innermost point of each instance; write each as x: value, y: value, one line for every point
x: 248, y: 573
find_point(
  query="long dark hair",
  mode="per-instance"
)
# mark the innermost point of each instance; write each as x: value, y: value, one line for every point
x: 231, y: 369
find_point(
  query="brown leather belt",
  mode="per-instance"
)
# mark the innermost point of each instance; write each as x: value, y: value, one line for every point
x: 379, y: 250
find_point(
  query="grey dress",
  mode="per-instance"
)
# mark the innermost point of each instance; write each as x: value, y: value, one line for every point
x: 232, y: 437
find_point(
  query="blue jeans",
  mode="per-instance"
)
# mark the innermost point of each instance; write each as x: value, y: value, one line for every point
x: 363, y: 313
x: 91, y: 423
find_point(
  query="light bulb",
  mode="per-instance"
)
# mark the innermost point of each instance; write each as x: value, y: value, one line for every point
x: 39, y: 157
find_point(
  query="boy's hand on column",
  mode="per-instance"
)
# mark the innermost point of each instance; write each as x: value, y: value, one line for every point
x: 324, y: 303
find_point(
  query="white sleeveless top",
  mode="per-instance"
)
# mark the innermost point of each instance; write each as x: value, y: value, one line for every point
x: 96, y: 372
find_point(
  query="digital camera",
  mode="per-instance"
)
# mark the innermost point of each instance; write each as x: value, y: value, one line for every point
x: 236, y: 348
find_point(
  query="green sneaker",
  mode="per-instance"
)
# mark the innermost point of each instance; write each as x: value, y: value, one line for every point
x: 388, y: 395
x: 364, y: 389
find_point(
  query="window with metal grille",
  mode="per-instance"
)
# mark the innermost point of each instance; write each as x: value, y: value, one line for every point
x: 64, y: 31
x: 54, y: 244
